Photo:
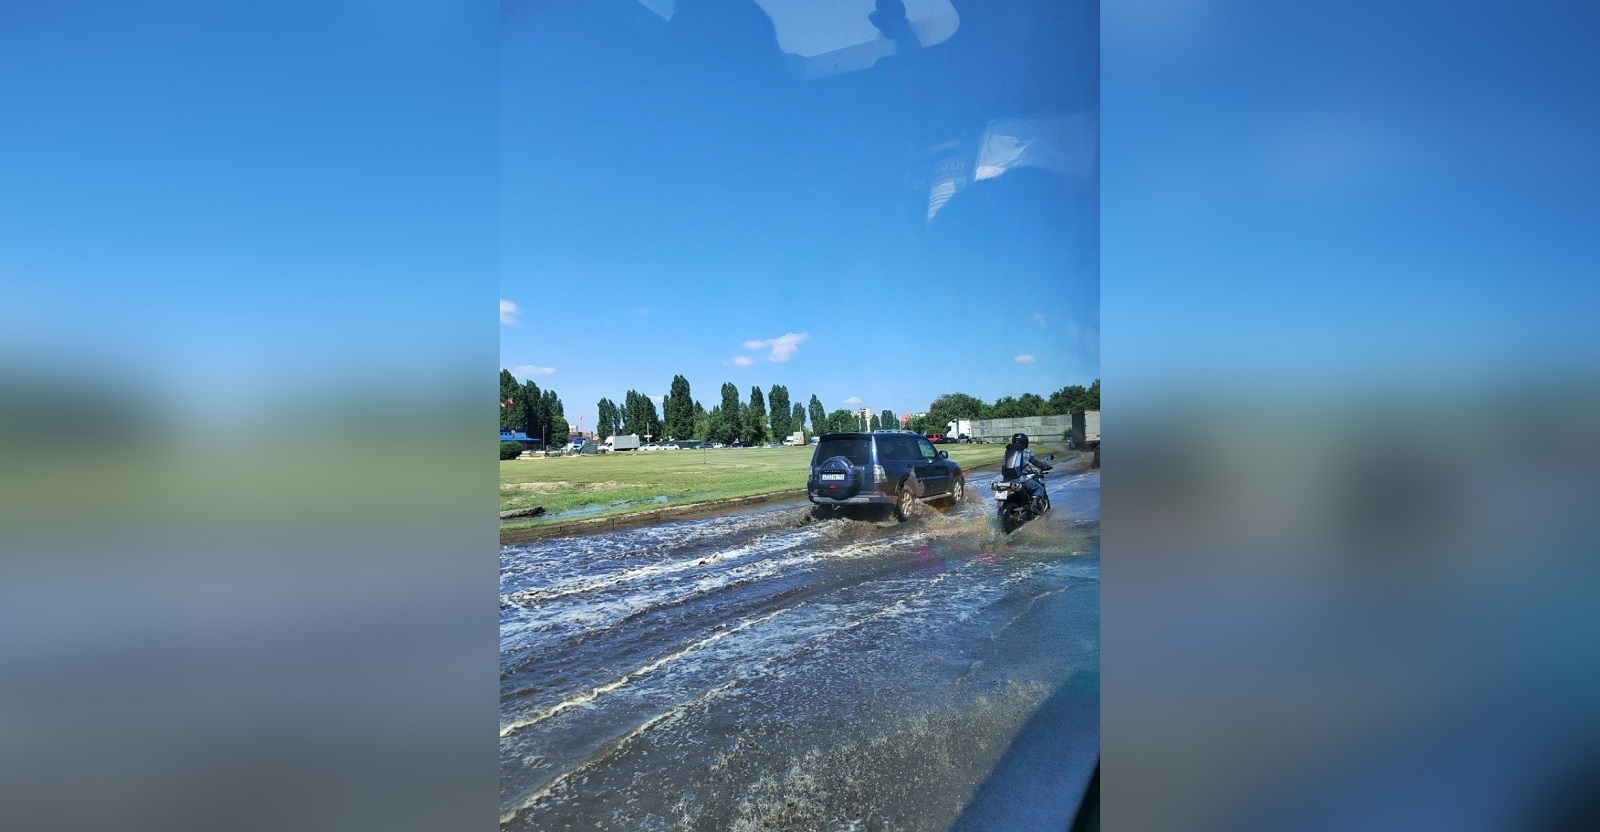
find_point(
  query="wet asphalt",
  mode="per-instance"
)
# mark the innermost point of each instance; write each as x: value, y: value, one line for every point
x: 764, y: 670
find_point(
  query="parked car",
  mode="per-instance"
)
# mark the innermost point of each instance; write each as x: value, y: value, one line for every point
x: 670, y: 446
x: 715, y: 445
x: 935, y: 438
x: 892, y: 469
x: 738, y: 445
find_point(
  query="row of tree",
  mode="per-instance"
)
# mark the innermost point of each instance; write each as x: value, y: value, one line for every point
x: 538, y: 413
x: 952, y: 406
x: 771, y: 416
x: 681, y: 417
x: 760, y: 418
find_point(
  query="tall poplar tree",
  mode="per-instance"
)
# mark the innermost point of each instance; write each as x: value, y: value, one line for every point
x: 732, y: 423
x: 755, y: 419
x: 819, y: 417
x: 778, y: 403
x: 679, y: 409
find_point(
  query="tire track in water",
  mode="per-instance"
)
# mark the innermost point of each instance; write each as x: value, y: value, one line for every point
x: 592, y: 583
x: 577, y: 556
x: 736, y: 609
x: 615, y: 580
x: 520, y: 619
x: 903, y: 607
x: 508, y: 729
x: 739, y: 578
x: 758, y: 668
x: 617, y: 613
x: 846, y: 541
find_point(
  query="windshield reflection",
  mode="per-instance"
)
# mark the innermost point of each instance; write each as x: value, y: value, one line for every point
x: 906, y: 195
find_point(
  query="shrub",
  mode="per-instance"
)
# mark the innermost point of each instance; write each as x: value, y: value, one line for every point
x: 510, y: 450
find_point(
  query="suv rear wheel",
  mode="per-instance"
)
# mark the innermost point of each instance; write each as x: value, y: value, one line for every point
x: 903, y: 503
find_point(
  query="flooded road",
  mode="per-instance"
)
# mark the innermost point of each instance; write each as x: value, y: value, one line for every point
x: 757, y: 671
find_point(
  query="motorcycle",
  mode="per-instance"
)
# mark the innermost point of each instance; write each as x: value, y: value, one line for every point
x: 1012, y: 503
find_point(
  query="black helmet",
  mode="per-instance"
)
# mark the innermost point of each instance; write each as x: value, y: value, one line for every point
x: 1019, y: 439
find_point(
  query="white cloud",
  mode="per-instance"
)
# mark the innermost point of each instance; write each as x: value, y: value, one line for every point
x: 527, y: 370
x: 643, y: 310
x: 1038, y: 318
x: 783, y: 347
x: 508, y: 312
x: 853, y: 400
x: 658, y: 399
x: 740, y: 361
x: 1025, y: 359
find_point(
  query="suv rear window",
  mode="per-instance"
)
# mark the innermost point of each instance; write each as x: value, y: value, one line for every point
x: 902, y: 448
x: 857, y: 449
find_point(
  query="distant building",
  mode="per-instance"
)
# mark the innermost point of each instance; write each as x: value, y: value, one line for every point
x: 531, y: 444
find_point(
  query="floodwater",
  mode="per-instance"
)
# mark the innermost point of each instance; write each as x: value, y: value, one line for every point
x: 757, y: 671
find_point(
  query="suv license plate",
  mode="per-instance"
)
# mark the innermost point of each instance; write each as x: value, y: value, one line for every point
x: 829, y: 477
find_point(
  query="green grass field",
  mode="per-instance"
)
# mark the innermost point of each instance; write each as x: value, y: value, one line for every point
x: 608, y: 484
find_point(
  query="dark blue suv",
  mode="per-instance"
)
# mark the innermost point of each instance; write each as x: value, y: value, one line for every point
x: 892, y: 468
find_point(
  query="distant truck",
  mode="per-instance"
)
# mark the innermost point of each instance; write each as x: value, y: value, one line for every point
x: 628, y: 442
x: 1053, y: 428
x: 959, y: 429
x: 796, y: 438
x: 1086, y: 429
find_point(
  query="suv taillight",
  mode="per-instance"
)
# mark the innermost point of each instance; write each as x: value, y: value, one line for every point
x: 878, y: 474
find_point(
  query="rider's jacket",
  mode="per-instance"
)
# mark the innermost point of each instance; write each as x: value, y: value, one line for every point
x: 1019, y: 462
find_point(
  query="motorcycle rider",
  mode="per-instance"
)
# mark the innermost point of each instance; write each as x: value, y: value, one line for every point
x: 1019, y: 463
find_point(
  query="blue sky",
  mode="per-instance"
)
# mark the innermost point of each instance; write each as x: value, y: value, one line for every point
x: 1302, y: 200
x: 675, y: 199
x: 220, y: 204
x: 231, y: 198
